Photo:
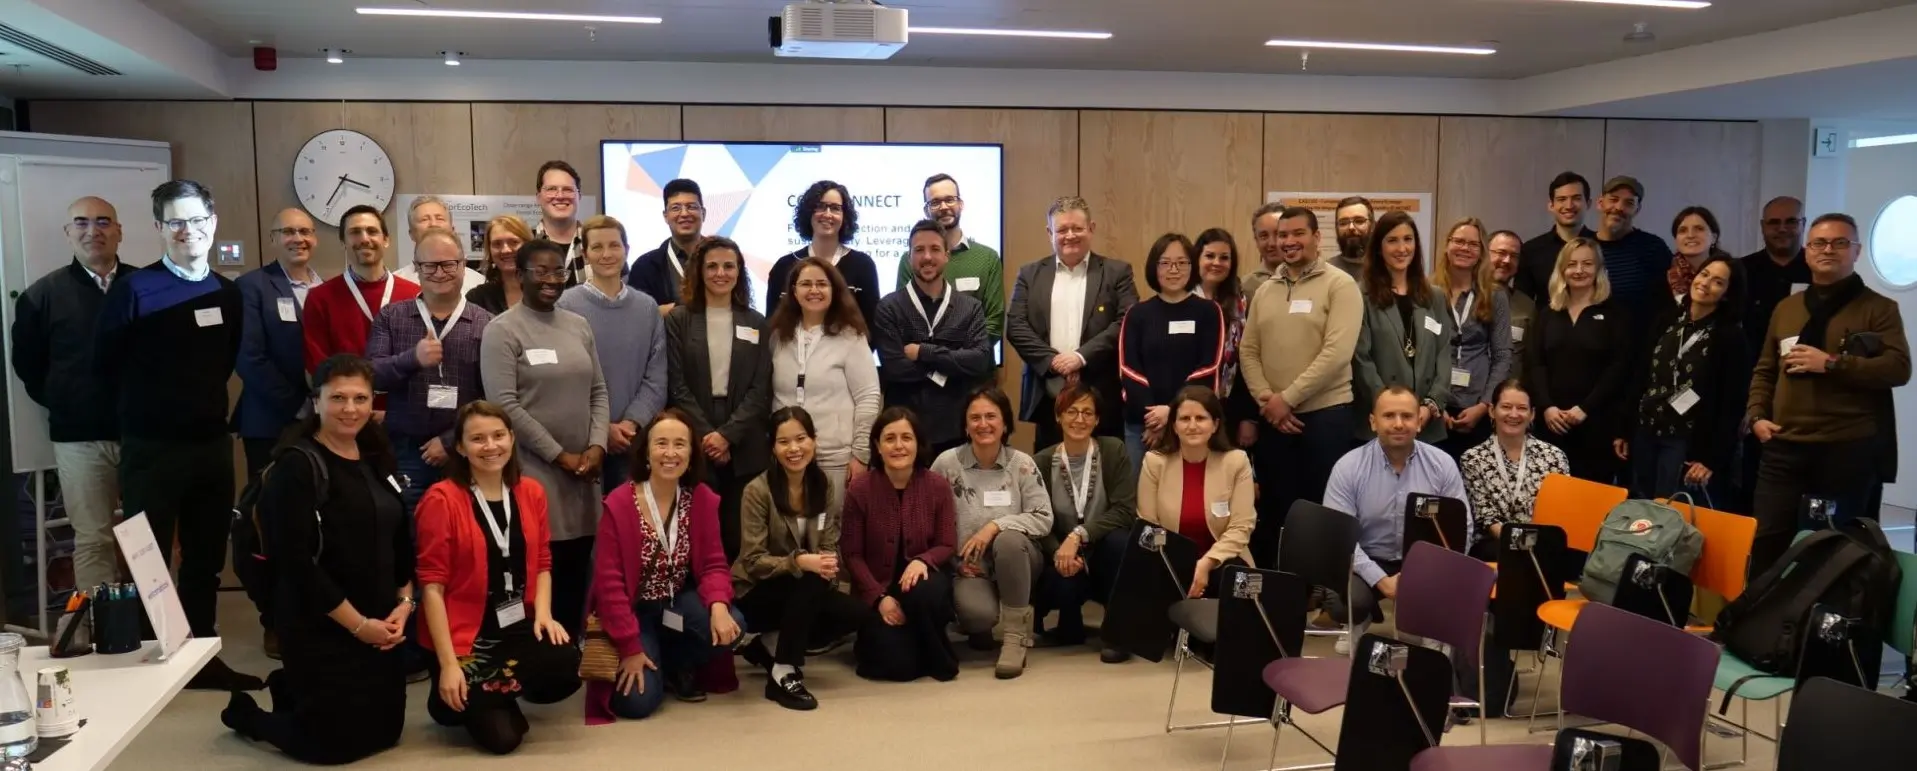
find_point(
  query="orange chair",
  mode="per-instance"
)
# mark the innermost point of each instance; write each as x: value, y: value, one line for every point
x: 1578, y: 507
x: 1727, y: 554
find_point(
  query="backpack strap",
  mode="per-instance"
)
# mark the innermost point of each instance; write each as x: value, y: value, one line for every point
x: 1687, y: 500
x: 1724, y: 707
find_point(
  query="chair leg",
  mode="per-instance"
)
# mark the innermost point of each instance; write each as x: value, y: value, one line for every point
x: 1178, y: 672
x: 1223, y: 756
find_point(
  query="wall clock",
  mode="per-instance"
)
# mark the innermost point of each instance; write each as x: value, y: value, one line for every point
x: 338, y: 170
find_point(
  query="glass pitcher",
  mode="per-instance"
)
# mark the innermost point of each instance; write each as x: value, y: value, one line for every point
x: 19, y: 736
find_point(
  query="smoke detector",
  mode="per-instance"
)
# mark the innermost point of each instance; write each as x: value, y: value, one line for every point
x: 1640, y: 33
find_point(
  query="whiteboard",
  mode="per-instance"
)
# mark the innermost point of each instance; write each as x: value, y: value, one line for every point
x: 35, y: 192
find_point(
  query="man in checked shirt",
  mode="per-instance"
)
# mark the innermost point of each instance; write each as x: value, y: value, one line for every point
x: 428, y: 369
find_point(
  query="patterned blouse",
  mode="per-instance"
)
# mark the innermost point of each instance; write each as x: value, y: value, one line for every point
x: 1680, y: 353
x: 662, y: 573
x: 1503, y: 492
x: 1234, y: 332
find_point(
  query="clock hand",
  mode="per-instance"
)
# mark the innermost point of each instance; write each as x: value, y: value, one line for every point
x: 351, y: 181
x: 335, y: 195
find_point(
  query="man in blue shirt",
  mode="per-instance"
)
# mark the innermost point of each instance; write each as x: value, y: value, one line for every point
x: 1371, y: 483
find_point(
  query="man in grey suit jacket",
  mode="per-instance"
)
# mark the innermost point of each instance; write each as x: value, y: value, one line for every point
x: 1063, y: 321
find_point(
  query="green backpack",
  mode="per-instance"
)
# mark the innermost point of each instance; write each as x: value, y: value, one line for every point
x: 1657, y: 531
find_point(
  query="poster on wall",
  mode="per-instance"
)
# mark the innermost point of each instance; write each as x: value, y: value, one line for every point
x: 1418, y: 205
x: 470, y: 215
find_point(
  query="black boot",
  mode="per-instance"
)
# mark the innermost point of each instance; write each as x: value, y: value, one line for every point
x: 684, y: 685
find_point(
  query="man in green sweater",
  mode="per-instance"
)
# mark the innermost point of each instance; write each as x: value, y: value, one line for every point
x: 975, y: 269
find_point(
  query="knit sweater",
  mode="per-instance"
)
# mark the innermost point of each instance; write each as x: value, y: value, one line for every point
x: 334, y: 323
x: 1025, y: 506
x: 1300, y: 337
x: 631, y: 338
x: 54, y: 324
x: 1165, y: 346
x: 1845, y: 404
x: 841, y: 391
x: 167, y: 345
x: 958, y: 354
x: 543, y: 370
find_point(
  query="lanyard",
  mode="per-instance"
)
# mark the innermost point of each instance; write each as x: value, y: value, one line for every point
x: 673, y: 258
x: 932, y: 321
x: 808, y: 539
x: 1462, y: 310
x: 499, y: 531
x: 352, y: 285
x: 1517, y: 480
x: 1082, y: 489
x: 1684, y: 347
x: 458, y: 310
x: 667, y: 532
x: 804, y: 344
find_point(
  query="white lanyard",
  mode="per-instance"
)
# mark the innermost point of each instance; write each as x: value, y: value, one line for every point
x: 1082, y: 489
x: 932, y: 321
x: 458, y: 310
x: 667, y: 532
x: 672, y: 258
x: 807, y: 539
x: 802, y: 341
x: 352, y: 285
x: 1684, y: 347
x: 499, y: 531
x: 1517, y: 481
x: 1462, y: 311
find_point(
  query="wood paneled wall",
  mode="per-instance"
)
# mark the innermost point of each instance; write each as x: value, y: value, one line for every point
x: 1149, y: 173
x: 1685, y: 163
x: 1496, y: 169
x: 725, y: 123
x: 512, y: 140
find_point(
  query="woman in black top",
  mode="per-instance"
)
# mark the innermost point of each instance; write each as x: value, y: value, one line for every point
x: 827, y: 220
x: 504, y: 235
x: 1681, y: 428
x: 1165, y: 343
x: 343, y: 578
x: 1578, y: 358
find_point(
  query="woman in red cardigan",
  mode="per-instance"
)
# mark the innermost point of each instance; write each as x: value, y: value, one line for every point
x: 897, y: 536
x: 661, y: 587
x: 486, y: 572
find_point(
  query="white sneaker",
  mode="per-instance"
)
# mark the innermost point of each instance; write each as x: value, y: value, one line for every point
x: 1343, y: 646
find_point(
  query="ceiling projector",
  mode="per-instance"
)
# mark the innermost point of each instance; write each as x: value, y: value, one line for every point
x: 838, y: 29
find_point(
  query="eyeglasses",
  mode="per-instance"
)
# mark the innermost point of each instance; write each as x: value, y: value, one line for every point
x: 556, y: 190
x: 1080, y: 413
x: 685, y: 208
x: 1504, y: 252
x: 830, y: 208
x: 447, y: 266
x: 1834, y: 245
x: 97, y: 223
x: 1464, y: 243
x: 1174, y: 265
x: 826, y: 285
x: 193, y: 222
x: 945, y: 202
x: 301, y: 232
x: 1354, y: 222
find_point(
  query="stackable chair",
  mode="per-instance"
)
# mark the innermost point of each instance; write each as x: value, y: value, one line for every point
x: 1396, y: 705
x: 1261, y: 618
x: 1838, y: 726
x: 1316, y: 543
x: 1437, y: 520
x: 1577, y: 507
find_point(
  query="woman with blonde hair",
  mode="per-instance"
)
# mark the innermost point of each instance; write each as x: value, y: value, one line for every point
x: 1481, y: 345
x: 504, y: 235
x: 1578, y: 359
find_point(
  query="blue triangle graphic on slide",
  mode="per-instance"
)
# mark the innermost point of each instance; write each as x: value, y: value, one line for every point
x: 733, y: 221
x: 662, y: 165
x: 756, y: 161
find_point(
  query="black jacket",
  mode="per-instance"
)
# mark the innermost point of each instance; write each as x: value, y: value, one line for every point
x: 1722, y: 387
x: 53, y: 326
x: 958, y: 351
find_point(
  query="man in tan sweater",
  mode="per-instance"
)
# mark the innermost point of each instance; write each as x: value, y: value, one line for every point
x: 1300, y: 333
x: 1820, y: 397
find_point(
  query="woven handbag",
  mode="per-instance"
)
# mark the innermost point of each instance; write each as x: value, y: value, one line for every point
x: 598, y: 661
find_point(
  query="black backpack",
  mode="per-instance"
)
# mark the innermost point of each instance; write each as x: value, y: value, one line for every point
x: 252, y: 526
x: 1850, y: 568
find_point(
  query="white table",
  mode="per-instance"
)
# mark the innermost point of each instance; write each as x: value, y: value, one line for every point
x: 117, y: 695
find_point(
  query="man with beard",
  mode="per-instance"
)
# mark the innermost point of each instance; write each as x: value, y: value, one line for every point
x: 974, y: 269
x: 1566, y: 198
x: 932, y: 343
x: 1633, y: 258
x: 559, y: 193
x: 1353, y: 220
x: 340, y: 312
x: 661, y: 272
x: 1504, y: 248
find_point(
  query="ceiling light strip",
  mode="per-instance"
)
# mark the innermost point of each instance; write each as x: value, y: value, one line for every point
x: 1896, y: 139
x: 1394, y: 47
x: 1066, y: 34
x: 1689, y: 5
x: 440, y: 13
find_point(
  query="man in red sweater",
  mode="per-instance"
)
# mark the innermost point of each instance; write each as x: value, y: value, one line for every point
x: 339, y: 313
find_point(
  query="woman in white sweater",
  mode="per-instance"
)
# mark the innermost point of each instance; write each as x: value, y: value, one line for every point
x: 822, y: 362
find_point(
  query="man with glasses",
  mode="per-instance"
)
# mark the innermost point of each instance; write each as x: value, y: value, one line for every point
x: 1505, y: 250
x: 974, y: 269
x: 1566, y: 199
x: 1353, y: 220
x: 426, y: 213
x: 661, y: 272
x: 340, y: 312
x: 168, y: 337
x: 1778, y: 270
x: 272, y: 363
x: 54, y: 323
x: 1820, y: 397
x: 425, y: 356
x: 1063, y: 321
x: 559, y: 216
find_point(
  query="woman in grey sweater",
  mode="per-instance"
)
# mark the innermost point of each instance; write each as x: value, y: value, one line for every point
x: 1003, y: 510
x: 822, y: 362
x: 630, y: 338
x: 540, y: 365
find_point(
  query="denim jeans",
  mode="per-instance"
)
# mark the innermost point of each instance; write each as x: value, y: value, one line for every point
x: 1657, y: 465
x: 1135, y: 445
x: 688, y: 648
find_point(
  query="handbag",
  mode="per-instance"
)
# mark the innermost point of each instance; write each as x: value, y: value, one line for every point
x: 598, y: 660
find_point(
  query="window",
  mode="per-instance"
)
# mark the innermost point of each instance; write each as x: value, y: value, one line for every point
x: 1893, y: 242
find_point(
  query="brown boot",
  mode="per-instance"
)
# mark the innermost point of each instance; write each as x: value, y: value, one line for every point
x: 1015, y: 626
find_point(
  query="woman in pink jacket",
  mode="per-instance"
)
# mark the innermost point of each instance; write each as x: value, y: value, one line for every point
x: 661, y: 587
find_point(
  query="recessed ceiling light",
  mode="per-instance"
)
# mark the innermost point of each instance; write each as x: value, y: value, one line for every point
x: 335, y: 55
x: 452, y: 57
x: 441, y: 13
x: 1398, y: 47
x: 1011, y: 32
x: 1685, y: 4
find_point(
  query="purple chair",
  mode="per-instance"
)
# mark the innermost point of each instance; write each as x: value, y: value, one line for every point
x: 1444, y: 596
x: 1619, y: 668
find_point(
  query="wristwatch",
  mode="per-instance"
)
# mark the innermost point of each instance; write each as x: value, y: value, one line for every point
x: 1079, y: 531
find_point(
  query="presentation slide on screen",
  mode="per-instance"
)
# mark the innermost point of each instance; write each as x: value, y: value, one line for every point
x: 751, y: 189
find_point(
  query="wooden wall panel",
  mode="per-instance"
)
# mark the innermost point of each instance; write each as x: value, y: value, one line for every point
x: 1684, y: 163
x: 1496, y: 169
x: 431, y: 144
x: 212, y: 143
x: 510, y: 141
x: 1041, y: 163
x: 798, y: 124
x: 1149, y: 173
x: 1356, y: 153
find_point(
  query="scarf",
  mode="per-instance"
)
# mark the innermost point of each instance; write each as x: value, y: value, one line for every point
x: 1823, y: 305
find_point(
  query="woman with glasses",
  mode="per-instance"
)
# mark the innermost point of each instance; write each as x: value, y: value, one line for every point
x: 1679, y: 429
x: 1481, y: 352
x: 826, y: 219
x: 821, y: 361
x: 504, y: 235
x: 1578, y: 357
x: 1194, y: 484
x: 898, y: 540
x: 1166, y: 343
x: 630, y: 338
x: 719, y: 370
x: 1502, y: 474
x: 1407, y: 334
x: 1094, y: 502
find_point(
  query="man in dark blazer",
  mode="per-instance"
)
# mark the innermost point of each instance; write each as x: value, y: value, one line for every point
x: 660, y: 272
x: 1063, y: 335
x: 272, y: 366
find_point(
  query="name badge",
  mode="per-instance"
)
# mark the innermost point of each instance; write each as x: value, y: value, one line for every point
x: 747, y: 334
x: 538, y: 356
x: 674, y: 621
x: 1598, y: 317
x: 1460, y: 377
x: 1221, y: 508
x: 1683, y: 402
x: 442, y: 397
x: 1517, y: 334
x: 1300, y: 306
x: 1795, y: 288
x: 1183, y: 328
x: 510, y: 612
x: 288, y: 311
x: 966, y: 284
x: 394, y: 481
x: 208, y: 317
x: 1431, y: 325
x: 1785, y: 345
x: 998, y: 497
x: 938, y: 379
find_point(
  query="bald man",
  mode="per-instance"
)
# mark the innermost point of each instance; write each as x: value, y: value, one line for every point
x: 429, y: 212
x: 272, y: 365
x: 53, y: 327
